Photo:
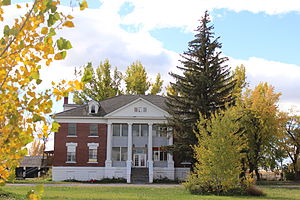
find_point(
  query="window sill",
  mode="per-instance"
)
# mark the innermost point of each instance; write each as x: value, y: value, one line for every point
x: 120, y: 136
x: 92, y: 162
x: 71, y: 135
x: 71, y: 162
x: 93, y: 136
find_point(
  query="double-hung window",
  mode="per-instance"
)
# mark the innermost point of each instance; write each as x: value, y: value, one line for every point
x: 160, y: 156
x: 72, y: 129
x: 120, y: 129
x: 93, y: 151
x: 119, y: 153
x: 71, y: 152
x: 140, y: 130
x: 93, y: 129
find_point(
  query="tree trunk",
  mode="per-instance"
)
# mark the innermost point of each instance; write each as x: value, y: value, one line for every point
x: 257, y: 174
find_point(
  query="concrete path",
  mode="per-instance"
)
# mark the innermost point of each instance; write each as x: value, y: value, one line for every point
x: 95, y: 185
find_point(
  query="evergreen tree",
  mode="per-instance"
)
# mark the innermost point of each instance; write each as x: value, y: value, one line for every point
x: 205, y: 87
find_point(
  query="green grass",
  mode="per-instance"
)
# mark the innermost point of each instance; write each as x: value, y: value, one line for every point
x: 146, y: 193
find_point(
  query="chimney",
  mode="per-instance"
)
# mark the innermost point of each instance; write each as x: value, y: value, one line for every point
x: 66, y: 100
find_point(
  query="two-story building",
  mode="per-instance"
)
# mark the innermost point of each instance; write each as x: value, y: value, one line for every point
x: 121, y: 136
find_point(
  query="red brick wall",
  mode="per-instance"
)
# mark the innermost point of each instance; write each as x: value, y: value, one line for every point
x: 82, y: 139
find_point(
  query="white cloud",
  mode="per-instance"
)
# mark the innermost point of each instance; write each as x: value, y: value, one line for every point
x: 98, y: 36
x: 169, y: 13
x: 284, y: 77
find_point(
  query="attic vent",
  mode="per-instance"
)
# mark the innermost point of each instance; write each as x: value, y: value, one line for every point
x: 93, y: 107
x: 140, y: 109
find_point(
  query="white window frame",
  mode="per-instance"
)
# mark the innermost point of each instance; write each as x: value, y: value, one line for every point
x: 93, y: 107
x: 158, y: 157
x: 121, y: 130
x: 93, y: 146
x: 120, y: 154
x: 72, y: 135
x: 97, y: 135
x: 140, y: 130
x: 140, y: 109
x: 71, y: 151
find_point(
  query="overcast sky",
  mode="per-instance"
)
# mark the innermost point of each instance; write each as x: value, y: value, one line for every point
x: 261, y: 34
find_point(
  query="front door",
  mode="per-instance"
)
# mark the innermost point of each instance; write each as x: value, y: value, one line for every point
x: 139, y: 160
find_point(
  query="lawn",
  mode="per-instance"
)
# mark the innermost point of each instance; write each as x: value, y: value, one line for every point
x: 131, y: 193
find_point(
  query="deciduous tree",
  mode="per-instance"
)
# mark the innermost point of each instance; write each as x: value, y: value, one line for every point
x: 99, y: 83
x: 136, y: 79
x: 261, y: 123
x: 36, y: 148
x: 25, y: 47
x: 156, y: 87
x: 291, y: 141
x: 218, y: 153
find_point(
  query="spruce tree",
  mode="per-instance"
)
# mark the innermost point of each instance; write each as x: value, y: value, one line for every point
x: 204, y: 87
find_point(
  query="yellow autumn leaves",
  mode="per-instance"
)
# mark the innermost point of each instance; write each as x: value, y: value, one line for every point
x: 26, y: 46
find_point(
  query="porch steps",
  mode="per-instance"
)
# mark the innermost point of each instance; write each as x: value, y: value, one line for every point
x: 139, y: 175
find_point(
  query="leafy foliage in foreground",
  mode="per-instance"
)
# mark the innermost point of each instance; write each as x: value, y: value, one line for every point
x: 25, y: 46
x: 218, y: 155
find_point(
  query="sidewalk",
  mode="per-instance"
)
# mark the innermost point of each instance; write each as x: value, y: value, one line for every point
x: 95, y: 185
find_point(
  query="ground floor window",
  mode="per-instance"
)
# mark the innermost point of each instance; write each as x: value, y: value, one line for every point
x: 71, y: 152
x: 119, y: 153
x: 160, y: 155
x: 92, y: 155
x: 71, y: 157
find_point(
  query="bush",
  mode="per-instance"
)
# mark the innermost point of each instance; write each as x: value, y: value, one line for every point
x: 166, y: 180
x: 252, y: 190
x: 104, y: 180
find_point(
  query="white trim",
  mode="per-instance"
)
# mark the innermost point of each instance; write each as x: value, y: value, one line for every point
x: 71, y: 135
x: 83, y: 119
x: 133, y: 102
x: 93, y: 145
x: 93, y: 136
x: 71, y: 162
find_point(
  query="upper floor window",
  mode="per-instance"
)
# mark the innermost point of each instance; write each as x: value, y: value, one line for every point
x: 159, y: 130
x: 120, y: 129
x: 140, y: 130
x: 72, y: 129
x: 93, y: 129
x: 140, y: 109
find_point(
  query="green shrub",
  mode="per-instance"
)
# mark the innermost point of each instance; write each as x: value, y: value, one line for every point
x: 166, y: 180
x: 252, y: 190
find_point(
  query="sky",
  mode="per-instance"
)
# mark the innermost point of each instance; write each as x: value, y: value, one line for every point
x: 261, y: 35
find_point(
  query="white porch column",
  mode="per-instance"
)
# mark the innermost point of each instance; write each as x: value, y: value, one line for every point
x: 150, y: 160
x: 108, y: 162
x: 170, y: 158
x: 129, y: 153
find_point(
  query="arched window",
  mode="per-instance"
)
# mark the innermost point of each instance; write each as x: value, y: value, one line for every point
x: 93, y: 109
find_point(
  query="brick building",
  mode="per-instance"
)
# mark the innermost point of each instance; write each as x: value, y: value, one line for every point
x: 117, y: 137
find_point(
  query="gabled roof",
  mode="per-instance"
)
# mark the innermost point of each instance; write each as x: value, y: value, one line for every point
x: 111, y: 104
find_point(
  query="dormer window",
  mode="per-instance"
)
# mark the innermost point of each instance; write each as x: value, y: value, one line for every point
x: 93, y: 107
